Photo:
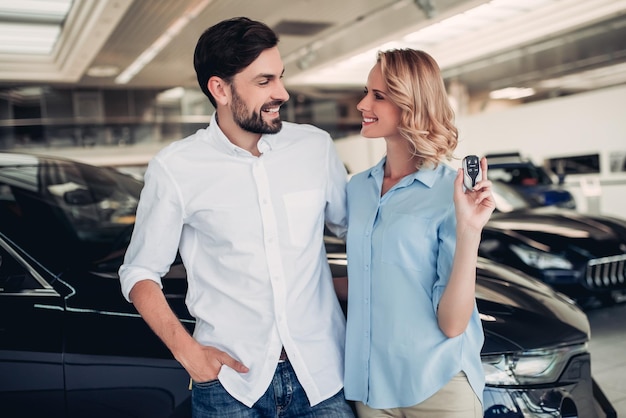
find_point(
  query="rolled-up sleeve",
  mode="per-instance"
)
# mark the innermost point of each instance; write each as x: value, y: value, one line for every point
x: 157, y: 230
x: 336, y: 217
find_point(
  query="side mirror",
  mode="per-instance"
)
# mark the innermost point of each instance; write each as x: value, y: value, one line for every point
x: 78, y: 197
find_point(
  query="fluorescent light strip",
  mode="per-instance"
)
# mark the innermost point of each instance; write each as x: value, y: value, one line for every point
x: 512, y: 93
x: 158, y: 45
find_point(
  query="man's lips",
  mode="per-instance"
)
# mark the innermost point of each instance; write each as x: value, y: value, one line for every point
x: 273, y: 107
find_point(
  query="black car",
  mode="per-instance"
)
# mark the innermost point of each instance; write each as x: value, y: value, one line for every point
x: 71, y: 346
x: 529, y: 179
x: 583, y: 256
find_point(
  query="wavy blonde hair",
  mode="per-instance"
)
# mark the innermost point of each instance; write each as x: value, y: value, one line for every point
x: 414, y: 83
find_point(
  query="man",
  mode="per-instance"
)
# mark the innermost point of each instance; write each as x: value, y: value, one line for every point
x: 245, y: 201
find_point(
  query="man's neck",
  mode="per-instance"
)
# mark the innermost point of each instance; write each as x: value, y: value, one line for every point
x: 242, y: 138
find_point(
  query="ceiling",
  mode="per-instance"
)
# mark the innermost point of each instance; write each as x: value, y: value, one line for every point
x: 557, y: 47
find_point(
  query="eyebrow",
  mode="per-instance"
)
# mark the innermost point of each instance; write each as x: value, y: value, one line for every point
x: 269, y: 76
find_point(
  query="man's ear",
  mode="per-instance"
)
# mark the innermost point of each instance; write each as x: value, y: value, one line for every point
x: 219, y: 90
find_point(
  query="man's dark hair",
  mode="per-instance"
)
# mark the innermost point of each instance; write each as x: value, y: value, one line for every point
x: 228, y: 47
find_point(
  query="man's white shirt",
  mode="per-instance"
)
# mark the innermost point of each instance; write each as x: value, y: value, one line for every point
x: 250, y: 233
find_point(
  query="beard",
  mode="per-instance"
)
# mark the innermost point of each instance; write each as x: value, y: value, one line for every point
x: 252, y: 122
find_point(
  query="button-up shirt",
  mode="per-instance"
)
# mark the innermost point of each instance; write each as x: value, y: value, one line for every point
x: 250, y: 234
x: 400, y: 249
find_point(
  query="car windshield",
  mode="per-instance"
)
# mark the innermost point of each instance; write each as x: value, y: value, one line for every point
x: 507, y: 198
x: 66, y: 203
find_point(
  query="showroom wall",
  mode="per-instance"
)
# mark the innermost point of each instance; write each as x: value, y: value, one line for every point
x: 579, y: 125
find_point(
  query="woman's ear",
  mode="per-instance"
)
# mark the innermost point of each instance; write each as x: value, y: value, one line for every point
x: 219, y: 90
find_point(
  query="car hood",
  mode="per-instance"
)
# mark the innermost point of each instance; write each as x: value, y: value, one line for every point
x: 509, y: 302
x: 559, y: 230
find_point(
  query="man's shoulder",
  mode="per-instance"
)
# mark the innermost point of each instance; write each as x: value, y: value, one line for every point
x: 183, y: 144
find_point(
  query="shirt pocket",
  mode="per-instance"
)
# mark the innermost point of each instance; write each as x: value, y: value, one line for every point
x: 408, y: 242
x: 305, y: 212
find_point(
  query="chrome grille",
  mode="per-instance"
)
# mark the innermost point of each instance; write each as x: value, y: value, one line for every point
x: 607, y: 272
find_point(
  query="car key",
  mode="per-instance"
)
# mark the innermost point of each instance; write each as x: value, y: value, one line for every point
x: 472, y: 173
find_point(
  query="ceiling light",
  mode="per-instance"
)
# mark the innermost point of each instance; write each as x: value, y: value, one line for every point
x: 173, y: 94
x: 103, y: 71
x: 512, y: 93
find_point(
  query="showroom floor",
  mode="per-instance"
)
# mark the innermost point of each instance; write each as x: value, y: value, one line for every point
x: 608, y: 353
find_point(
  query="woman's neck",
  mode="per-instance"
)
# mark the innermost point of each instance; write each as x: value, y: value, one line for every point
x: 400, y: 161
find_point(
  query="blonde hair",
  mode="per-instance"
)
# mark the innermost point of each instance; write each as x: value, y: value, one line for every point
x: 414, y: 83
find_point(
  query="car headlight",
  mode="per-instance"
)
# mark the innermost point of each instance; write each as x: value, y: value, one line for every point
x: 541, y: 259
x: 530, y: 367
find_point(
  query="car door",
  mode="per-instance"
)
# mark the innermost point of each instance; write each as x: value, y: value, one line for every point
x: 114, y: 363
x: 31, y: 340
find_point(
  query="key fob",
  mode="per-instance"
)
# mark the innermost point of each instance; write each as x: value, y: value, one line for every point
x: 472, y: 173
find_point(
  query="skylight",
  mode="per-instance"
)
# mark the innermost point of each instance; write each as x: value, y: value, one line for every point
x: 31, y: 26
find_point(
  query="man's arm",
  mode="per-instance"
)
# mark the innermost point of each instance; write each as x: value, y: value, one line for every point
x: 203, y: 363
x: 341, y: 288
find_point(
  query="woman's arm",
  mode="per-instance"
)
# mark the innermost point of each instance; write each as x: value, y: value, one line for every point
x: 472, y: 209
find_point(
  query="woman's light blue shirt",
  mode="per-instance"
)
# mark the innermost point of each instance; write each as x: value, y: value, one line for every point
x: 400, y: 249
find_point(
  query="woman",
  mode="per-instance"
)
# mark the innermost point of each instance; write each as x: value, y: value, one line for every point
x: 414, y: 334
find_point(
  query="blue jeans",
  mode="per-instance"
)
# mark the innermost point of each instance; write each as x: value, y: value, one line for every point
x: 284, y: 398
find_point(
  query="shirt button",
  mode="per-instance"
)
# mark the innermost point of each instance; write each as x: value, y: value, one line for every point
x: 367, y: 267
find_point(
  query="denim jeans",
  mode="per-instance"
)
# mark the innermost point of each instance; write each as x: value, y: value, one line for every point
x: 285, y: 398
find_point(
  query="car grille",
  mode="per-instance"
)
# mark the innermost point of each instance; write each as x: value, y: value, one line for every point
x: 607, y: 272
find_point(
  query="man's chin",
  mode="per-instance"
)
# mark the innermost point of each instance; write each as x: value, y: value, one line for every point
x: 274, y: 126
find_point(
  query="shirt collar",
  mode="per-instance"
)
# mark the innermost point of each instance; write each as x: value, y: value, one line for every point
x: 264, y: 145
x: 426, y: 175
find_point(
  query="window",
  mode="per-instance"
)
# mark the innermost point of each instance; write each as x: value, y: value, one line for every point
x: 14, y: 277
x: 576, y: 164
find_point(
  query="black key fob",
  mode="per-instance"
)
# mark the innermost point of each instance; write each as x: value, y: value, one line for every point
x: 472, y: 173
